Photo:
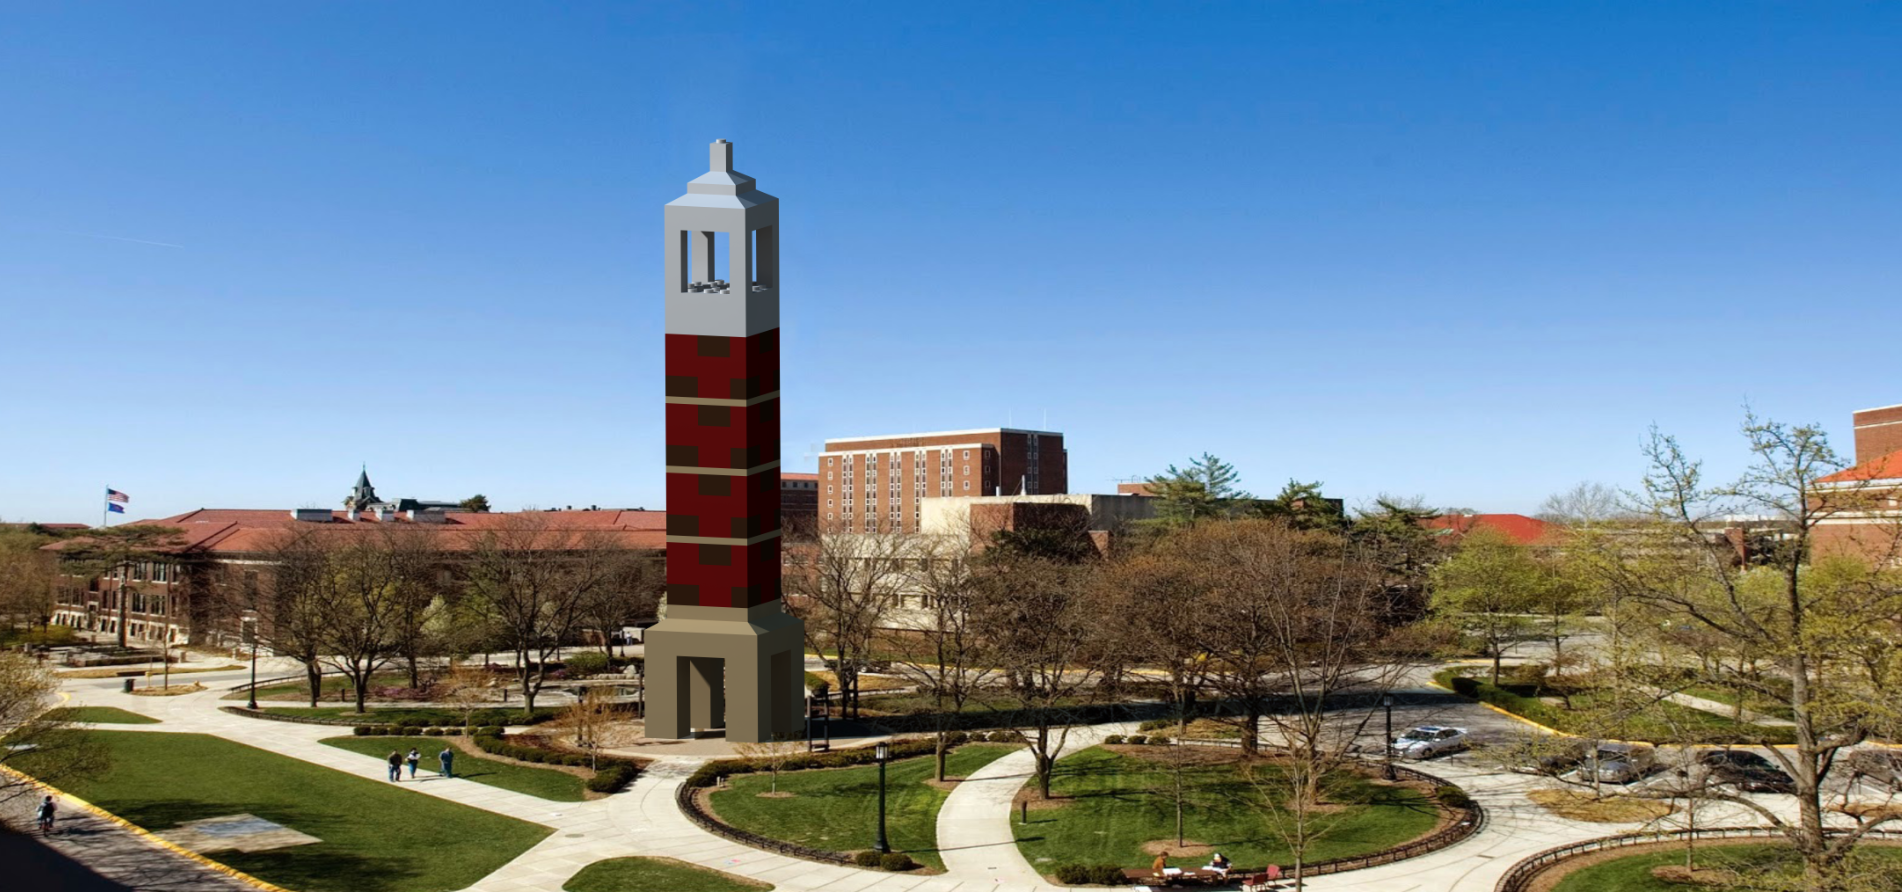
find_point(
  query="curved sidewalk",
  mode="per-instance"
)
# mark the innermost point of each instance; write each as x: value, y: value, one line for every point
x: 974, y: 826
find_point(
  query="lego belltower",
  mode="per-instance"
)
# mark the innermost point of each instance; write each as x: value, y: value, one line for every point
x: 726, y: 655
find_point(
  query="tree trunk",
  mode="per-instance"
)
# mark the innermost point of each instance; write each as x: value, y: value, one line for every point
x: 362, y: 683
x: 944, y: 753
x: 316, y: 679
x: 415, y: 678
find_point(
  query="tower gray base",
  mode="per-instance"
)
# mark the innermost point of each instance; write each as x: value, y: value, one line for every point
x: 726, y: 667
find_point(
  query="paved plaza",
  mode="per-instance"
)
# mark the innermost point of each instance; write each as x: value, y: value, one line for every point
x: 974, y: 826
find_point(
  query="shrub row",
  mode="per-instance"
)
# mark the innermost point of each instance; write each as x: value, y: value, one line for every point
x: 610, y: 778
x: 892, y: 861
x: 1138, y: 740
x: 496, y: 744
x: 1083, y: 874
x: 610, y: 774
x: 1452, y: 797
x: 710, y: 773
x: 412, y: 730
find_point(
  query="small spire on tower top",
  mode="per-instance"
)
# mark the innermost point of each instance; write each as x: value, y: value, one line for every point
x: 720, y: 156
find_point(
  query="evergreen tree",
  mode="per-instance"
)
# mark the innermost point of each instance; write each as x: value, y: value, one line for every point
x: 1205, y: 489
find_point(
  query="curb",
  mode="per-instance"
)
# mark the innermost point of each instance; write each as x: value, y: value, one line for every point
x: 149, y: 836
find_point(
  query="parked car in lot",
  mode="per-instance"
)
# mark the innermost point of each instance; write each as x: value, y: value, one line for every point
x: 1550, y: 756
x: 1747, y: 770
x: 1880, y: 767
x: 1621, y: 763
x: 1428, y: 741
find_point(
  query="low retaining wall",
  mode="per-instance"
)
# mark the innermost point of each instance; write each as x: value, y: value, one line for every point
x: 1522, y: 874
x: 1467, y: 821
x: 688, y: 799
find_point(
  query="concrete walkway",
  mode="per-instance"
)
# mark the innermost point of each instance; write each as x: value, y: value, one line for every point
x: 1718, y: 707
x: 974, y: 827
x: 88, y: 853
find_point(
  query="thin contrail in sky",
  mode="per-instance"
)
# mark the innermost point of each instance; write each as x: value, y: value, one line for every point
x: 116, y: 238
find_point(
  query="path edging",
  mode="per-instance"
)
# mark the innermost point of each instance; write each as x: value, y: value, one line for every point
x: 148, y: 835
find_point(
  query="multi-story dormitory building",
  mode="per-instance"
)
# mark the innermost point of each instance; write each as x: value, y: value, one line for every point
x: 878, y: 484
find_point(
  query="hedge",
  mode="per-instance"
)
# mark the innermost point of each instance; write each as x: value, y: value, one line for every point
x: 610, y: 774
x: 709, y: 774
x: 1082, y: 874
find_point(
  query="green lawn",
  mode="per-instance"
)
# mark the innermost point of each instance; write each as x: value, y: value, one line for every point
x: 1120, y: 802
x: 103, y: 715
x: 657, y: 875
x: 333, y: 687
x: 543, y: 782
x: 1633, y: 873
x: 1593, y: 715
x: 377, y: 836
x: 837, y: 808
x: 1752, y: 701
x: 431, y: 715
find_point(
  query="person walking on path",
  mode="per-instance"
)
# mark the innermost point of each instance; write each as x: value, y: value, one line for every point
x: 45, y: 815
x: 448, y: 759
x: 415, y: 756
x: 396, y: 766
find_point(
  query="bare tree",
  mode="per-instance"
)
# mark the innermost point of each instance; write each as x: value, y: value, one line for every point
x: 940, y: 649
x: 771, y: 755
x: 1314, y: 625
x: 1585, y: 504
x: 291, y: 594
x: 844, y: 588
x: 37, y: 741
x: 631, y: 594
x: 1827, y: 630
x: 533, y: 579
x: 1045, y: 633
x: 1157, y: 607
x: 362, y: 595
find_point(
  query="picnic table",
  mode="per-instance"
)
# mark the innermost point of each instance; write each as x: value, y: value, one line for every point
x: 1256, y: 880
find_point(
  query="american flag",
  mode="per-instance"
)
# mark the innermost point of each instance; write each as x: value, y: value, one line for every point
x: 113, y: 495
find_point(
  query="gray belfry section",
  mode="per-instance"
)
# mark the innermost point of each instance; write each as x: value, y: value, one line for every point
x: 743, y: 301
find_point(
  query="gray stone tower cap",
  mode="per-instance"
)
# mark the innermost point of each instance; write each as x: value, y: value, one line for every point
x: 720, y: 178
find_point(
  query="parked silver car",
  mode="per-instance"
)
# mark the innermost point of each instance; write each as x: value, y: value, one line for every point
x: 1621, y: 763
x: 1428, y: 741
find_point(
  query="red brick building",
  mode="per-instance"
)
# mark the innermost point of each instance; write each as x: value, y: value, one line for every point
x: 1865, y: 501
x: 875, y: 484
x: 175, y: 597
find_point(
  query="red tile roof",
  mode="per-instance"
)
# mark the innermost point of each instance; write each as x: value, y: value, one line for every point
x: 248, y: 530
x: 1517, y: 527
x: 1888, y: 467
x: 794, y: 475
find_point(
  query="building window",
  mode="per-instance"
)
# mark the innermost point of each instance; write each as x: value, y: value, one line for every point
x: 967, y: 484
x: 967, y: 455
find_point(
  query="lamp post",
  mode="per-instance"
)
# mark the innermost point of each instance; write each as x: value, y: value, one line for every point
x: 882, y: 752
x: 1387, y: 701
x: 252, y: 704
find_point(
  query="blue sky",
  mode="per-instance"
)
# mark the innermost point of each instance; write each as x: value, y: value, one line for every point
x: 1464, y: 251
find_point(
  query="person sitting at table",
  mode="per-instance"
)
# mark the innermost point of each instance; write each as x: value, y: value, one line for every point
x: 1162, y: 862
x: 1219, y: 863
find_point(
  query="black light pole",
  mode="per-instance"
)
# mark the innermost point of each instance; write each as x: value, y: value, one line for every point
x: 1387, y: 701
x: 882, y: 752
x: 253, y: 704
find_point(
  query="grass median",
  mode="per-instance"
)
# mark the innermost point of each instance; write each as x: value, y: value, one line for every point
x: 637, y: 874
x: 99, y: 715
x: 374, y: 836
x: 1118, y: 808
x: 1595, y: 714
x: 545, y: 783
x: 837, y: 808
